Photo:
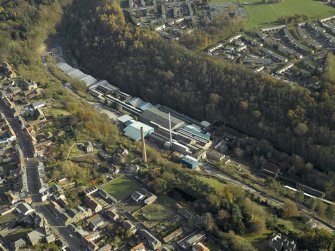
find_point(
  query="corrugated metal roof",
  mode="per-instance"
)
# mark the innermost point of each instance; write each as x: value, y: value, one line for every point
x: 145, y: 106
x: 161, y: 118
x: 136, y: 102
x: 133, y: 130
x: 124, y: 118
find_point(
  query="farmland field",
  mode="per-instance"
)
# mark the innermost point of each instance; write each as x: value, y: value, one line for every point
x: 261, y: 15
x: 121, y: 187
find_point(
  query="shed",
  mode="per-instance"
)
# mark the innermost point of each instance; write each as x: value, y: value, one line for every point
x: 190, y: 162
x: 133, y: 130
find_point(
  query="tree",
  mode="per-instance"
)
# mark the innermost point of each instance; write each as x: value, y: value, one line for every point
x: 299, y: 196
x: 301, y: 129
x: 290, y: 209
x: 258, y: 226
x: 330, y: 213
x: 209, y: 222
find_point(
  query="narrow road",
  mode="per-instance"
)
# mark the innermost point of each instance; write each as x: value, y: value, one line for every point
x: 33, y: 181
x: 66, y: 235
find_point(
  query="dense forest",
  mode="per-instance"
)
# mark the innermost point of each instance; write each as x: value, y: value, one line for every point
x: 141, y: 63
x: 23, y: 27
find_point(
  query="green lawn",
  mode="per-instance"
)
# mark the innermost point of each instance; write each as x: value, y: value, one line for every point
x: 261, y: 15
x: 7, y: 218
x: 56, y: 112
x: 157, y: 212
x: 17, y: 234
x: 121, y: 187
x: 212, y: 182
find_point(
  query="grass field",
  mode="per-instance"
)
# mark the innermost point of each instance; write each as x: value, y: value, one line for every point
x: 121, y: 187
x: 17, y: 234
x: 157, y: 212
x: 7, y: 218
x: 56, y: 112
x: 261, y: 15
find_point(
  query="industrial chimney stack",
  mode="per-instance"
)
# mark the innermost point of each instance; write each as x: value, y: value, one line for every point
x: 144, y: 150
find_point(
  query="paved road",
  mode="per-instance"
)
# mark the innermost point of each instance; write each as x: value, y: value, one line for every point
x: 33, y: 181
x: 66, y: 235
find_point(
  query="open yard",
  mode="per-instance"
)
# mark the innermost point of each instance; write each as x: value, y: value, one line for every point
x: 7, y: 218
x: 121, y: 187
x: 153, y: 214
x: 17, y: 234
x: 261, y: 15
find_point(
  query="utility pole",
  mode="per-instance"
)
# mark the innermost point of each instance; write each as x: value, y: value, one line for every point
x: 144, y: 150
x: 170, y: 131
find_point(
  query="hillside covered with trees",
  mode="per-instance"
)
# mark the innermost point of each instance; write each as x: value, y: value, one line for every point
x: 143, y: 64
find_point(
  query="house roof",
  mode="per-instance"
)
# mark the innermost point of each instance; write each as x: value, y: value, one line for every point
x: 95, y: 220
x: 19, y: 243
x: 24, y: 208
x: 136, y: 196
x: 139, y: 247
x: 50, y: 238
x: 200, y: 247
x: 35, y: 236
x: 38, y: 104
x: 107, y: 247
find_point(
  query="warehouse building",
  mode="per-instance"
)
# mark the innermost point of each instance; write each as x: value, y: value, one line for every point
x: 156, y: 118
x: 133, y: 130
x: 190, y: 162
x: 139, y: 103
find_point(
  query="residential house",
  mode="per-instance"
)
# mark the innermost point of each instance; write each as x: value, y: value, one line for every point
x: 129, y: 226
x: 92, y: 203
x: 92, y: 236
x: 79, y: 213
x: 112, y: 214
x: 38, y: 104
x: 20, y: 243
x: 6, y: 70
x: 107, y: 247
x: 24, y: 208
x: 280, y: 243
x: 151, y: 240
x: 36, y: 236
x: 139, y: 247
x: 199, y: 247
x: 50, y: 238
x: 145, y: 195
x: 95, y: 222
x: 131, y: 168
x: 88, y: 147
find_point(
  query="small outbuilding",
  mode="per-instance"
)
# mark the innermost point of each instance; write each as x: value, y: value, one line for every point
x: 190, y: 162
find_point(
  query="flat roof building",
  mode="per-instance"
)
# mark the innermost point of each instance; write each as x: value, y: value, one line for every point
x: 190, y: 162
x: 133, y: 130
x: 153, y: 116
